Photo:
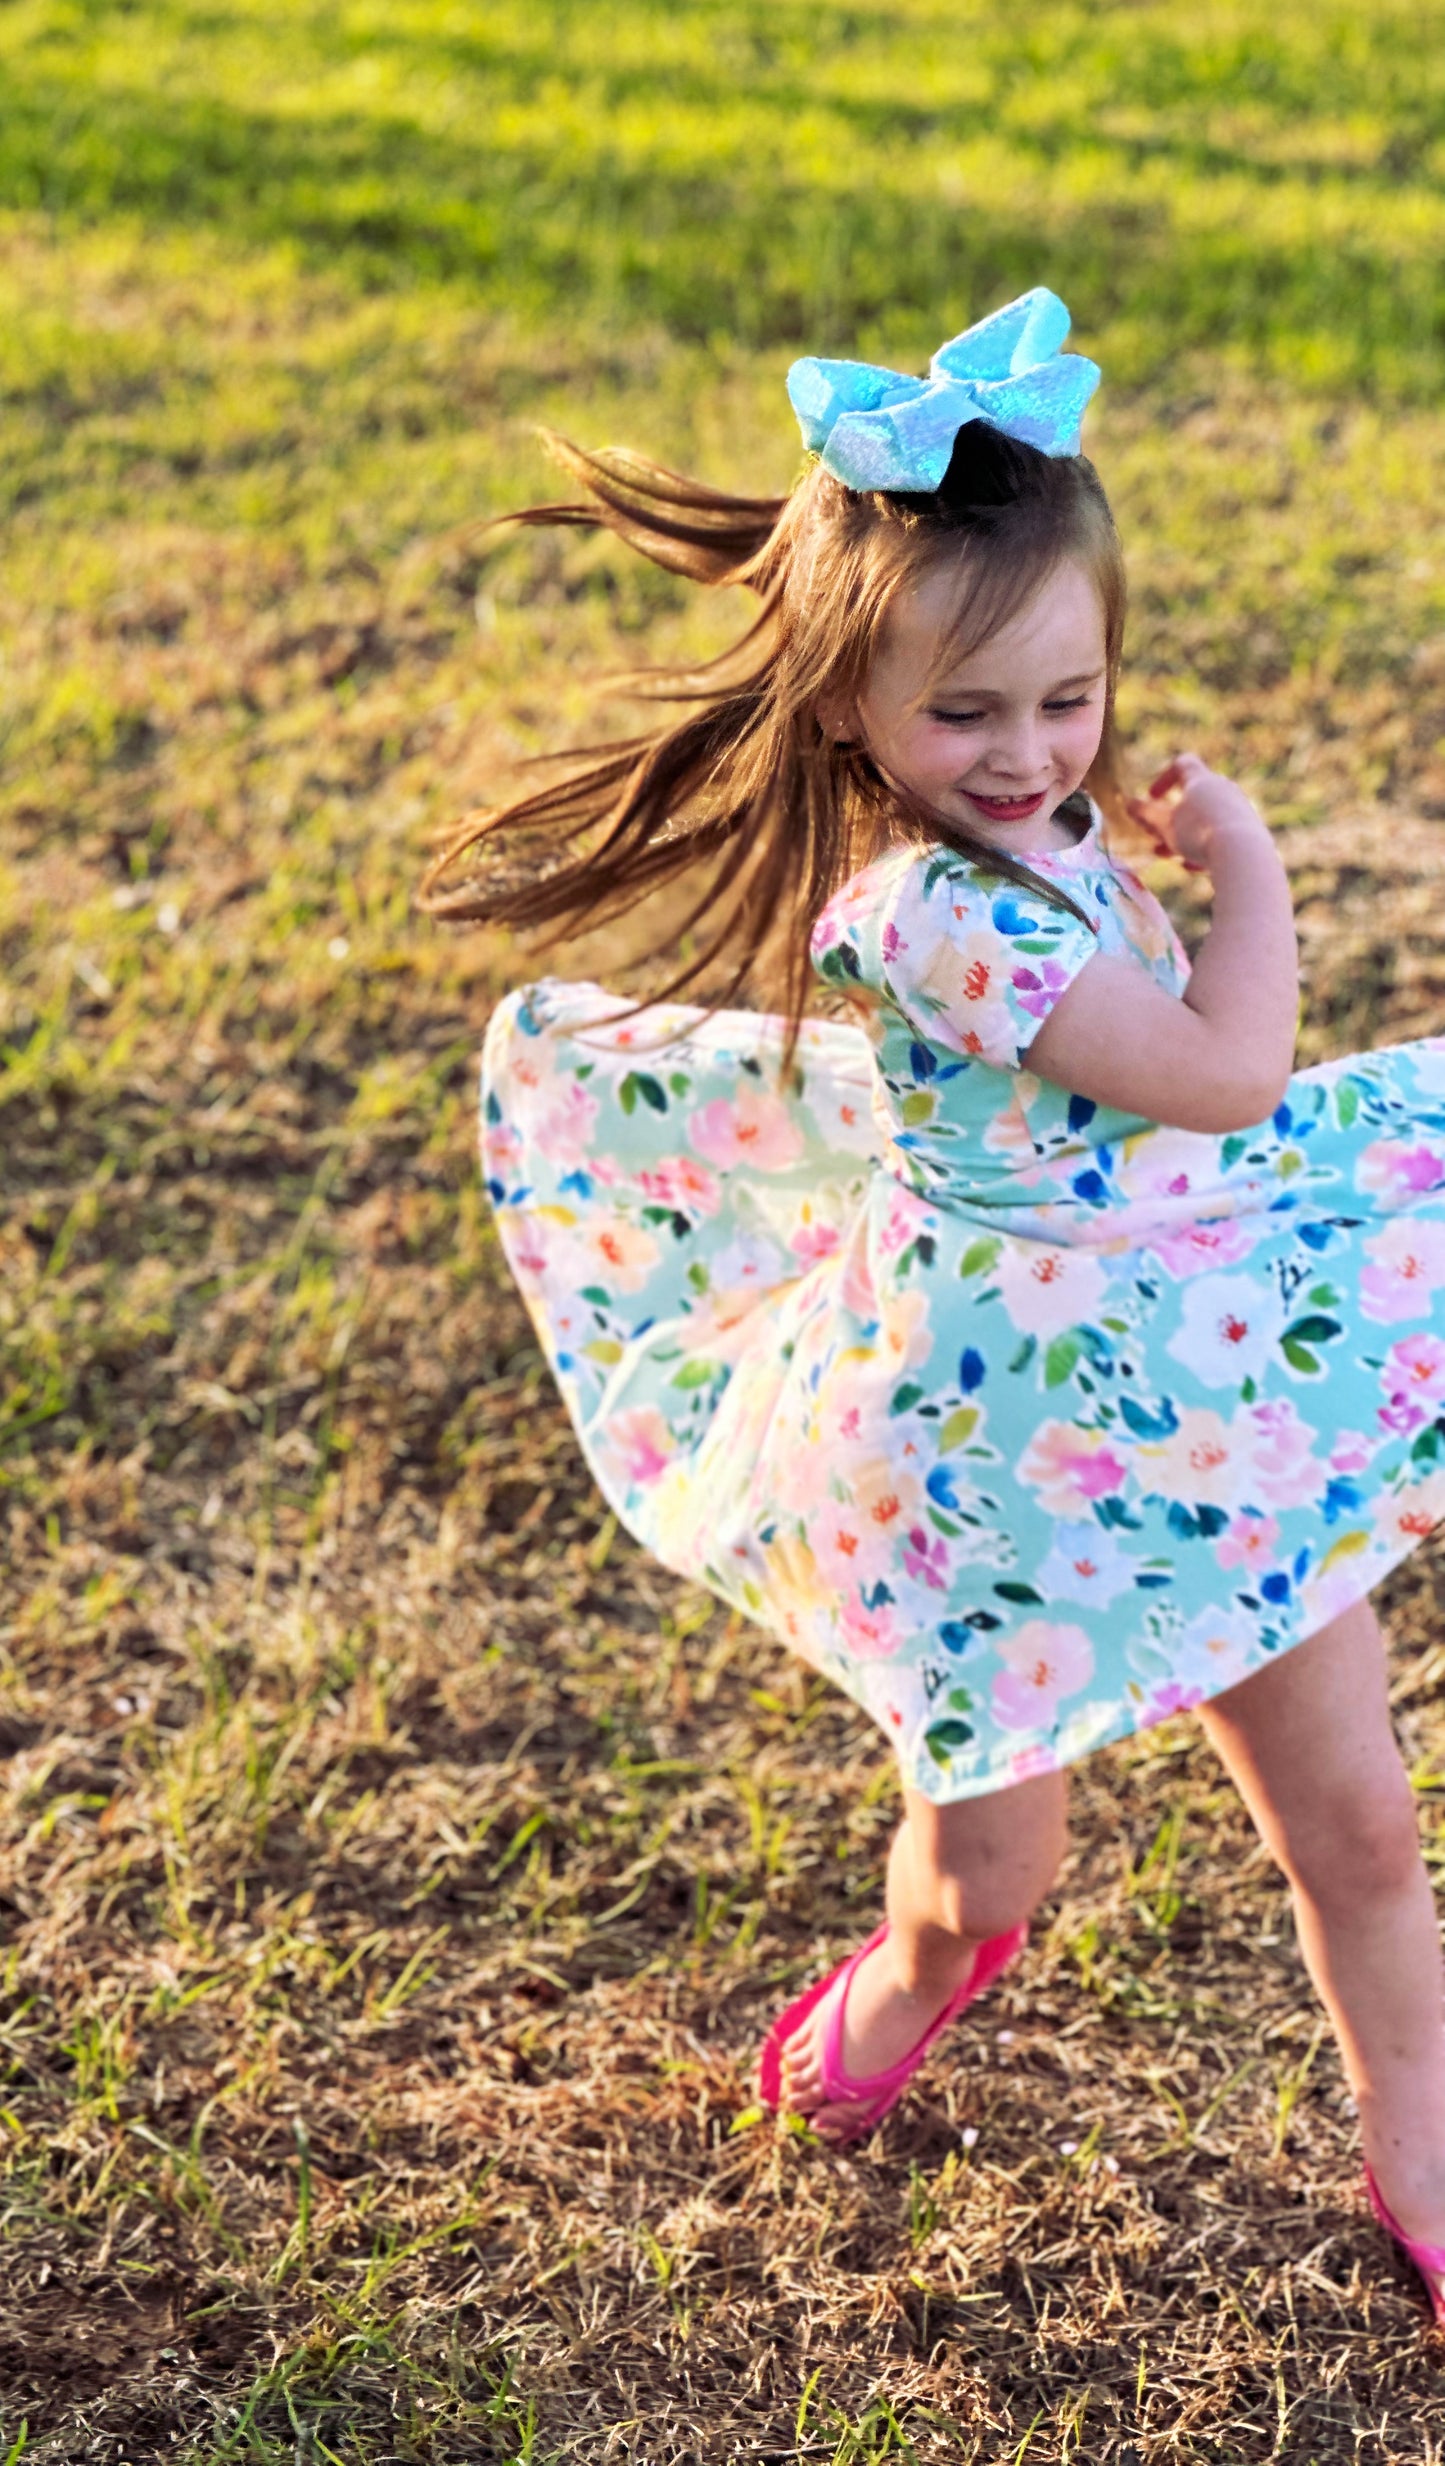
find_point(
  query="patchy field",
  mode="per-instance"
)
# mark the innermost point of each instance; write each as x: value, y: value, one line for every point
x: 397, y: 1870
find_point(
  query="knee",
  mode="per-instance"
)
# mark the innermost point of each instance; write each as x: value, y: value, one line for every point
x: 1354, y: 1852
x: 983, y: 1880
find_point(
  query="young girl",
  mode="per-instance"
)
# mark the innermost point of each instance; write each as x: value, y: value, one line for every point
x: 1037, y: 1357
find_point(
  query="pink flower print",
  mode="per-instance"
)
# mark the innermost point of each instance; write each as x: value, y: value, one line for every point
x: 564, y: 1130
x: 1026, y: 1763
x: 621, y: 1255
x: 826, y: 932
x: 1248, y: 1541
x: 501, y: 1151
x: 849, y: 1546
x: 1351, y: 1452
x: 926, y: 1559
x: 870, y: 1635
x: 1220, y: 1241
x: 1044, y: 1291
x: 1402, y: 1415
x: 889, y: 1499
x: 681, y: 1182
x: 751, y: 1128
x: 1286, y: 1473
x: 1041, y: 1663
x: 1415, y: 1366
x: 1409, y: 1515
x: 1399, y: 1173
x: 1206, y: 1462
x: 1166, y: 1700
x: 963, y: 977
x: 1039, y: 988
x: 1406, y: 1263
x: 528, y: 1253
x: 638, y: 1444
x: 893, y: 944
x: 812, y: 1240
x: 1070, y: 1467
x: 907, y: 1217
x: 801, y: 1479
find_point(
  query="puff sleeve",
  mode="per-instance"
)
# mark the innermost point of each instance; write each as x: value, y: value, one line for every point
x: 975, y: 963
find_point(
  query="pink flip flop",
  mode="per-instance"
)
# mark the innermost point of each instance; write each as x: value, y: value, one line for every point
x: 881, y: 2090
x: 1429, y: 2258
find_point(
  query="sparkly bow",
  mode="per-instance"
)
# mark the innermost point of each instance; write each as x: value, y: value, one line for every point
x: 876, y: 429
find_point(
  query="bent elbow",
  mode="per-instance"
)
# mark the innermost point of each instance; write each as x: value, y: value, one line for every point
x: 1224, y: 1111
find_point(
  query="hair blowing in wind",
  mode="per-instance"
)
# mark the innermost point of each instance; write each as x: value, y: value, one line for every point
x: 747, y: 783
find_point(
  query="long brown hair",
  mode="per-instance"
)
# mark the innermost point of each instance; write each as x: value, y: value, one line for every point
x: 749, y: 774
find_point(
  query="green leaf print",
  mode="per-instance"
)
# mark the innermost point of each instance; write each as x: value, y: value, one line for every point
x: 1313, y: 1330
x: 1025, y: 1353
x: 1347, y: 1103
x: 958, y: 1427
x: 979, y: 1257
x: 905, y: 1396
x: 918, y: 1108
x: 596, y: 1294
x: 944, y: 1738
x: 1300, y: 1357
x: 1009, y: 1589
x: 680, y: 1083
x: 641, y: 1083
x: 1232, y: 1149
x: 1061, y: 1359
x: 696, y: 1374
x: 698, y: 1277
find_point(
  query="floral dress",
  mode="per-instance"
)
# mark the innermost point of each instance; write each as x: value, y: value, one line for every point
x: 1026, y: 1421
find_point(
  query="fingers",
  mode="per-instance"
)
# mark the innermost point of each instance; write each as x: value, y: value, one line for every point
x: 1179, y: 774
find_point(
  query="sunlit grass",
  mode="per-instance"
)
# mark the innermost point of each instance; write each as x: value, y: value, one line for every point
x: 400, y: 1869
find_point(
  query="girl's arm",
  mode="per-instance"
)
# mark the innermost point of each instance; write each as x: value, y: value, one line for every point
x: 1218, y: 1056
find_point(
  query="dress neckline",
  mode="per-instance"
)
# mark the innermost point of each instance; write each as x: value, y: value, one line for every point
x: 1088, y: 846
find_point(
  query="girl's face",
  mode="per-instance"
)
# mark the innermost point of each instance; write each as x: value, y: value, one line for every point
x: 997, y: 740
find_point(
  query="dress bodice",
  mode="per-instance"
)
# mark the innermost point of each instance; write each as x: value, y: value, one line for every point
x: 954, y: 971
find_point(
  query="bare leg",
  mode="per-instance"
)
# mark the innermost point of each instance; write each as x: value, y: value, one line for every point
x: 1309, y: 1744
x: 956, y: 1875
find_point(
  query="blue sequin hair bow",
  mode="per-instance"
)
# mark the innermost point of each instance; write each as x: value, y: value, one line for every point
x: 873, y: 428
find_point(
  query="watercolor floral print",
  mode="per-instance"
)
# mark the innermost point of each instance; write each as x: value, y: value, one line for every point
x: 1026, y: 1422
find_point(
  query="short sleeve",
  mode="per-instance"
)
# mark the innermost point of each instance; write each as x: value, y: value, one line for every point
x: 976, y: 963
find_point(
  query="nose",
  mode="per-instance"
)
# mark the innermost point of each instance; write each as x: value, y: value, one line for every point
x: 1019, y: 752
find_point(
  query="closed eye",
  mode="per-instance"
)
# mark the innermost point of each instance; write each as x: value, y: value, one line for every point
x: 970, y: 719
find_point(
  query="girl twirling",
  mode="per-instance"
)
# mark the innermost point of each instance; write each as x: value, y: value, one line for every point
x: 1036, y: 1357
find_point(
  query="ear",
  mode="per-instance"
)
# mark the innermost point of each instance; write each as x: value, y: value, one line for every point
x: 838, y: 719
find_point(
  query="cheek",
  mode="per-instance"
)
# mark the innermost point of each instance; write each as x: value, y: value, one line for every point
x: 1076, y: 741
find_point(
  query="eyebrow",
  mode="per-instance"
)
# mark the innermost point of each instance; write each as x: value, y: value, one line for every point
x: 986, y: 693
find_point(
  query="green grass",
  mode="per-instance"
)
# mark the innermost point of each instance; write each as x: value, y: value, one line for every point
x: 396, y: 1869
x: 1262, y: 182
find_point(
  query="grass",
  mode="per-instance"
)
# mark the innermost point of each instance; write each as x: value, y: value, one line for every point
x: 398, y: 1869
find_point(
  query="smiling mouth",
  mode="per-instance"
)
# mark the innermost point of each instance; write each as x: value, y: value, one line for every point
x: 1005, y: 808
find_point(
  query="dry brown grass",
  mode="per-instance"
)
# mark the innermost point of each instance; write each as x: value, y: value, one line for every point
x: 399, y: 1870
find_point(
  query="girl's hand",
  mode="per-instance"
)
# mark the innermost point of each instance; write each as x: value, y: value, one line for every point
x: 1193, y: 812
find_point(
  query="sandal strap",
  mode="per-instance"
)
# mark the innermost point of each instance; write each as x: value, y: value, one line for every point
x: 1426, y: 2256
x: 881, y: 2088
